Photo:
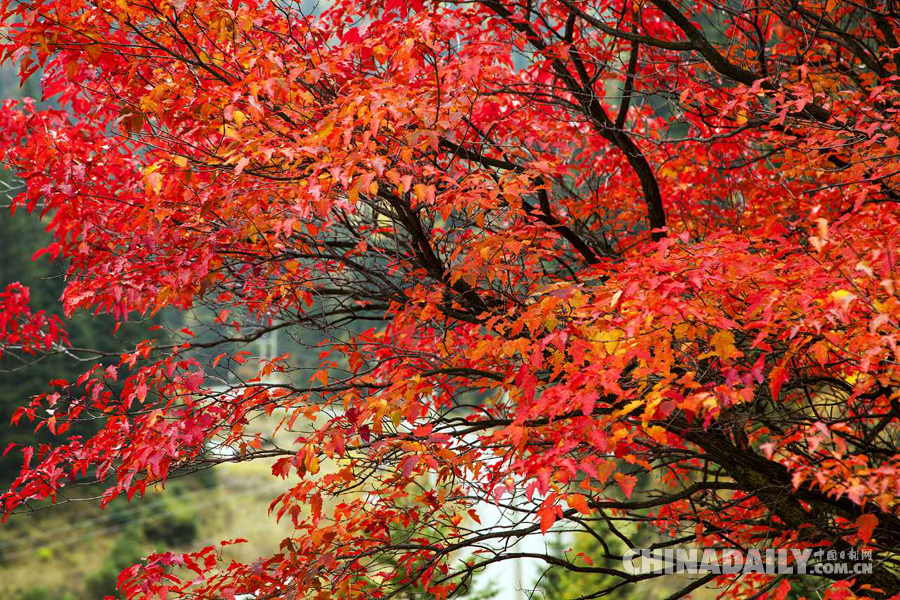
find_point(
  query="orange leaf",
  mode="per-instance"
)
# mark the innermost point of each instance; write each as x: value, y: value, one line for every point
x: 866, y: 525
x: 579, y: 503
x: 606, y: 469
x: 626, y: 482
x: 321, y: 377
x: 548, y: 517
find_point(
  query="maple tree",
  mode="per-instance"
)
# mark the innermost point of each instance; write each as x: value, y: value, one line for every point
x: 555, y: 246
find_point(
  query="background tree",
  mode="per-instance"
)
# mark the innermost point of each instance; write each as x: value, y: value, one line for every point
x: 651, y: 238
x: 557, y: 582
x: 24, y: 375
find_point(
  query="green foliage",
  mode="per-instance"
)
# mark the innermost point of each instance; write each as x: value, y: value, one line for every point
x: 42, y: 593
x: 559, y: 584
x: 173, y: 524
x: 475, y: 589
x: 127, y: 550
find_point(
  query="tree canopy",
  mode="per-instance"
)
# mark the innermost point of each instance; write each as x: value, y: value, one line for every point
x: 548, y: 247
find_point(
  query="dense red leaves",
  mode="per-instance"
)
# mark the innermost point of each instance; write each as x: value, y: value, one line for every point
x: 24, y: 331
x: 480, y: 191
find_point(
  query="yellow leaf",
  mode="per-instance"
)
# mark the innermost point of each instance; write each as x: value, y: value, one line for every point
x: 327, y: 128
x: 658, y: 434
x: 842, y: 296
x: 609, y: 339
x: 723, y: 345
x: 419, y: 190
x: 615, y: 299
x: 681, y: 331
